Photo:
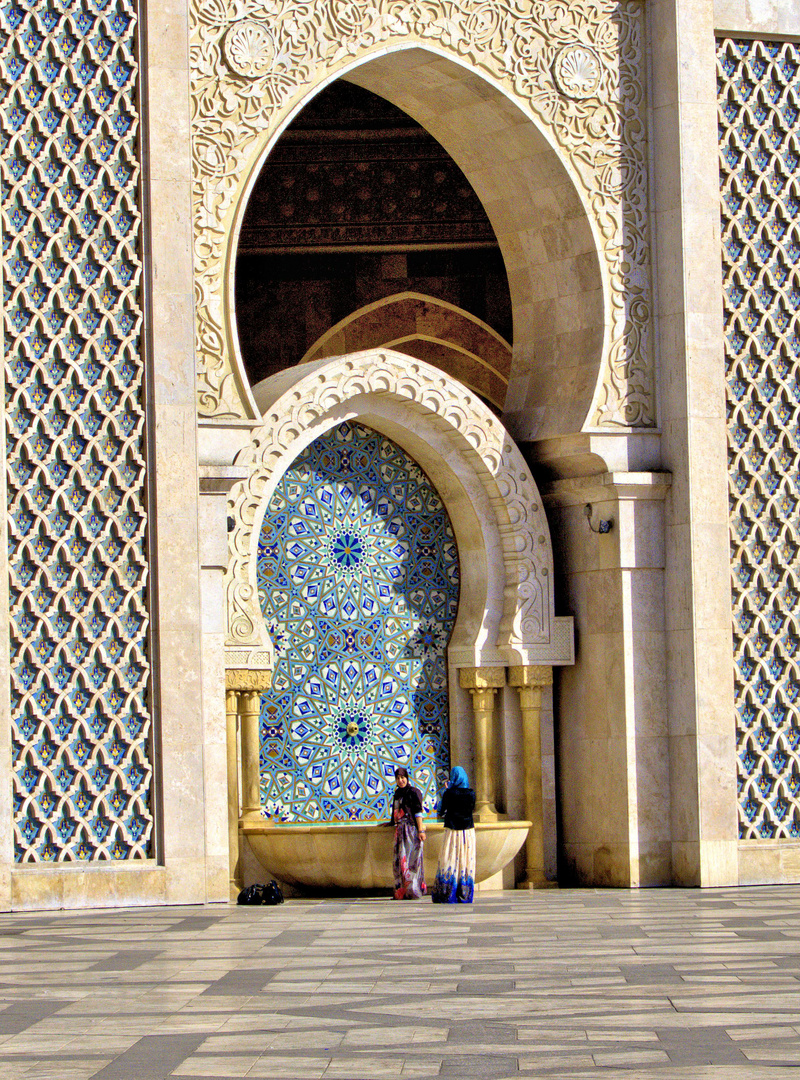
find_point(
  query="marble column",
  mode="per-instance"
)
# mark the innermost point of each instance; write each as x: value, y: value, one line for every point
x: 529, y: 682
x: 249, y: 709
x: 483, y: 684
x: 231, y: 726
x: 243, y: 704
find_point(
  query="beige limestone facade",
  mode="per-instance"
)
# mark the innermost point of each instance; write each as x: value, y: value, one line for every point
x: 621, y: 675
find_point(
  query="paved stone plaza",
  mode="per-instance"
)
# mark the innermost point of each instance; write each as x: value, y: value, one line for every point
x: 567, y: 983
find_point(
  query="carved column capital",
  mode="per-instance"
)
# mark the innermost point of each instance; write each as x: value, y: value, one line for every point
x: 482, y: 678
x: 532, y: 675
x: 245, y: 680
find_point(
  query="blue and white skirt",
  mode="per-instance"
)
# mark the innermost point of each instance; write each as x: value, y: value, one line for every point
x: 455, y: 875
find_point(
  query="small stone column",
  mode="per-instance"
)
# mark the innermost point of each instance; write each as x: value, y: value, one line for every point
x: 231, y: 726
x: 529, y: 682
x: 249, y: 711
x: 244, y: 688
x: 483, y: 683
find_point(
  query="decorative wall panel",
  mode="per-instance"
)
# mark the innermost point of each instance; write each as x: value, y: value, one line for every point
x: 75, y: 430
x: 759, y: 112
x: 358, y: 581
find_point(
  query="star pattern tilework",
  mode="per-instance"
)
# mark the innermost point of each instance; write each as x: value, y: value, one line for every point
x: 358, y: 580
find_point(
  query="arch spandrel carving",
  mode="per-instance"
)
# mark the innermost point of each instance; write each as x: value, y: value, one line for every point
x: 302, y: 403
x: 576, y: 70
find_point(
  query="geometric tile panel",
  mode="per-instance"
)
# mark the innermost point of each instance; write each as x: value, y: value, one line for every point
x: 358, y: 580
x: 759, y: 115
x: 75, y: 439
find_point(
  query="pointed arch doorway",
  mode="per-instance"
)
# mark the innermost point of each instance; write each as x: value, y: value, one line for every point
x: 505, y: 633
x: 536, y: 216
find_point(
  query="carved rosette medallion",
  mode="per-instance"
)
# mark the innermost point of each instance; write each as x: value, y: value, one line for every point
x: 578, y: 72
x: 248, y: 49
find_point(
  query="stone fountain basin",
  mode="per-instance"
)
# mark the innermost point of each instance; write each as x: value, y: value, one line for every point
x: 360, y: 856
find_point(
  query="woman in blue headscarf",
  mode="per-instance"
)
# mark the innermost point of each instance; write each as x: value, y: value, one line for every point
x: 455, y: 875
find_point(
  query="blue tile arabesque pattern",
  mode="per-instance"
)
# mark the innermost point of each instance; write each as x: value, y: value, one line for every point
x: 75, y: 466
x: 358, y: 581
x: 759, y: 117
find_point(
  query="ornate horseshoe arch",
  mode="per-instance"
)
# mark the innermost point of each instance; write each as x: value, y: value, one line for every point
x: 303, y: 402
x: 576, y: 70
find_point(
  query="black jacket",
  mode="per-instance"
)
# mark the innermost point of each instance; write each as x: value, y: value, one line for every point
x: 456, y: 806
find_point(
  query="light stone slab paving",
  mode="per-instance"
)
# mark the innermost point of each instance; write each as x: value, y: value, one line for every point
x: 666, y: 984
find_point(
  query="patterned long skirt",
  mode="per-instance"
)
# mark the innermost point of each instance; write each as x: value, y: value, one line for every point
x: 455, y: 875
x: 409, y: 870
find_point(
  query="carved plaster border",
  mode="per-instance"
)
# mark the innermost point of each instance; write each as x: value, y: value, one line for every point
x: 577, y: 69
x: 311, y: 393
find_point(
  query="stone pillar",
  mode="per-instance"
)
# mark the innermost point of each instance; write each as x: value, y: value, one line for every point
x: 614, y: 775
x: 220, y: 755
x: 483, y: 683
x: 231, y: 718
x: 689, y: 320
x: 529, y: 682
x: 243, y: 703
x: 249, y: 709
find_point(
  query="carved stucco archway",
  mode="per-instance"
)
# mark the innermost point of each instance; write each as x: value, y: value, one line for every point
x: 552, y: 98
x: 507, y: 613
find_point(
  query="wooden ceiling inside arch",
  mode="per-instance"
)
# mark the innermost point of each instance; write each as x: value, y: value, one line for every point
x: 353, y: 170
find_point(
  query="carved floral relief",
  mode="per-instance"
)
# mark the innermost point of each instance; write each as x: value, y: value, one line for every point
x: 577, y: 68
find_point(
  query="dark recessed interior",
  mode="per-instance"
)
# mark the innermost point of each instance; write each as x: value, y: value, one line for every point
x: 357, y: 202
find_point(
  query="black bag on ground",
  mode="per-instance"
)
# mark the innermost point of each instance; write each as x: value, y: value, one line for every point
x: 261, y: 894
